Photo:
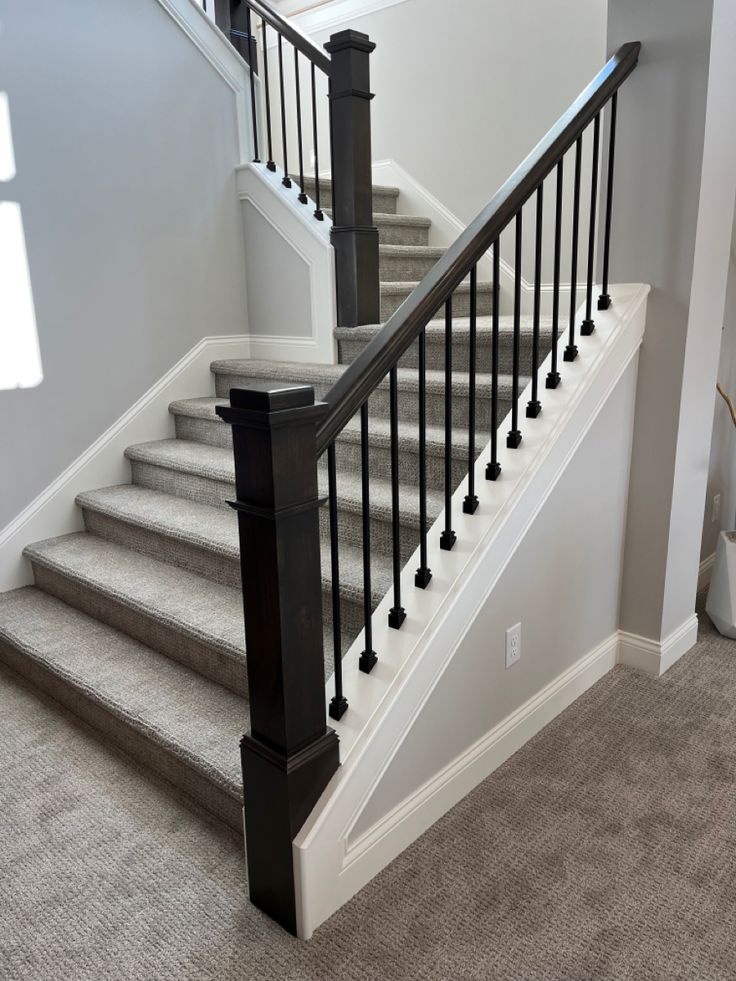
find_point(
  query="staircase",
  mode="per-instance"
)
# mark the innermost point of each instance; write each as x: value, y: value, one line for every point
x: 136, y: 624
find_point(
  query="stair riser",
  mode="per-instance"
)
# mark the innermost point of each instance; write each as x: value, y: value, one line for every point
x: 348, y: 457
x: 391, y: 301
x: 383, y: 204
x: 351, y: 532
x: 349, y: 350
x: 395, y: 234
x: 215, y: 433
x: 404, y: 269
x: 215, y: 493
x: 202, y: 657
x: 217, y: 567
x: 120, y: 733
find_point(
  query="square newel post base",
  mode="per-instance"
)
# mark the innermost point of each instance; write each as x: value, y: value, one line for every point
x: 280, y: 792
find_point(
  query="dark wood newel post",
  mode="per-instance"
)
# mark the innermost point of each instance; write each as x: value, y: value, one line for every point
x: 290, y: 753
x: 354, y: 236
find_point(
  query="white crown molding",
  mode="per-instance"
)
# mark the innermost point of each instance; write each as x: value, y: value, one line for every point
x: 315, y: 17
x: 216, y: 48
x: 53, y: 512
x: 657, y: 656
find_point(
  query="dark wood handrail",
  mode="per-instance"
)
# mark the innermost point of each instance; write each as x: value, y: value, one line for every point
x: 291, y: 33
x: 372, y: 365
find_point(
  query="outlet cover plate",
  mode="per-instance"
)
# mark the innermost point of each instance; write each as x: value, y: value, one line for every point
x: 513, y: 644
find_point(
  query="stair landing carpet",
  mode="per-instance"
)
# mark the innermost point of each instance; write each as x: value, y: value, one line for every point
x: 604, y: 849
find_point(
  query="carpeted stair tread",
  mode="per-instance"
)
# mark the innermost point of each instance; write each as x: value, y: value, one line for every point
x: 185, y: 456
x: 321, y: 374
x: 408, y: 286
x: 216, y: 529
x: 416, y: 221
x: 426, y: 251
x: 435, y: 330
x: 182, y: 601
x: 380, y: 435
x: 180, y: 517
x: 171, y: 706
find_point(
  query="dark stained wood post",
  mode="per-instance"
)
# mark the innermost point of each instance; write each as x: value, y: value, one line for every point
x: 231, y: 18
x: 290, y: 753
x: 354, y: 236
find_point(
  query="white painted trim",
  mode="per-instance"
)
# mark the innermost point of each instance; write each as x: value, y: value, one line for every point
x: 417, y: 200
x: 314, y: 17
x: 385, y: 704
x: 219, y: 52
x: 705, y: 571
x: 419, y: 811
x: 309, y: 240
x: 657, y: 656
x: 102, y: 464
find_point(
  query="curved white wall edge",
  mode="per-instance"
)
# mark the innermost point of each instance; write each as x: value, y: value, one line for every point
x: 416, y: 199
x: 216, y: 48
x: 102, y: 464
x: 292, y: 248
x: 385, y: 704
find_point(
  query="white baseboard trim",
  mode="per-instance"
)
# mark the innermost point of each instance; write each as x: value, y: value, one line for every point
x: 420, y: 811
x: 706, y: 571
x: 102, y: 464
x: 657, y: 656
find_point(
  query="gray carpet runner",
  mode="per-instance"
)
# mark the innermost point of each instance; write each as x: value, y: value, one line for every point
x: 136, y: 624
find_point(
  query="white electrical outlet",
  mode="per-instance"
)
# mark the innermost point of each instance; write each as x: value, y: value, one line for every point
x: 716, y: 511
x: 513, y: 644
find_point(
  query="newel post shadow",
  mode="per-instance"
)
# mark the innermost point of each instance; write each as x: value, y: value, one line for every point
x: 290, y: 753
x: 354, y: 236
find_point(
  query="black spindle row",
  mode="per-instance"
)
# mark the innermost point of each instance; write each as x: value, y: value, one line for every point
x: 448, y: 537
x: 283, y: 99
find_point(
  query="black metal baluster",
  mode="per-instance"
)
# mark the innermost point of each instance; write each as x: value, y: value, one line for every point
x: 270, y: 162
x: 303, y: 199
x: 470, y: 504
x: 338, y: 703
x: 534, y: 406
x: 604, y: 300
x: 423, y: 573
x: 252, y: 51
x: 448, y: 536
x: 513, y: 440
x: 286, y: 181
x: 397, y: 613
x: 318, y: 213
x: 369, y: 657
x: 553, y: 376
x: 571, y: 351
x: 493, y: 469
x: 588, y: 325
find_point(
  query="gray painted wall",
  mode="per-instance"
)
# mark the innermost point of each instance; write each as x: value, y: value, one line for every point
x: 570, y: 562
x: 125, y: 144
x: 671, y: 229
x: 462, y: 96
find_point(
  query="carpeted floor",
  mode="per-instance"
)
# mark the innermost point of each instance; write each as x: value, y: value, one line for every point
x: 606, y: 848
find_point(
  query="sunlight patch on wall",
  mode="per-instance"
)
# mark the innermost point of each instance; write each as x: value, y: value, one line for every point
x: 20, y: 357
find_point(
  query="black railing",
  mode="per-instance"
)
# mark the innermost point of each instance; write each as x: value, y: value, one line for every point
x: 337, y: 77
x: 279, y: 436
